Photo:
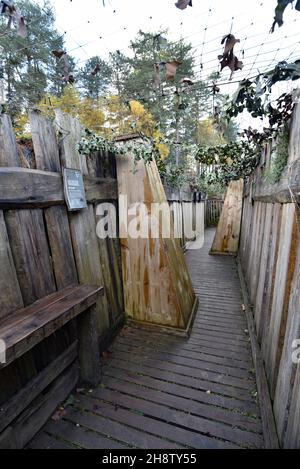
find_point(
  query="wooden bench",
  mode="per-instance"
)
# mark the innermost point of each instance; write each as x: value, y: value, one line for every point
x: 24, y: 329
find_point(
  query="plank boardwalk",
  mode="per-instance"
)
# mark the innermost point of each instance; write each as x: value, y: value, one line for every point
x: 161, y: 391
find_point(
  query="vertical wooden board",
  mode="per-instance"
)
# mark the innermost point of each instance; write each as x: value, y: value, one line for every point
x: 294, y: 145
x: 258, y: 304
x: 8, y: 145
x: 292, y: 435
x: 10, y: 293
x: 31, y: 254
x: 286, y: 374
x: 44, y: 142
x: 270, y: 277
x: 71, y: 132
x: 59, y: 236
x: 228, y: 230
x: 251, y: 243
x: 278, y: 313
x: 86, y: 251
x: 245, y: 227
x: 256, y: 256
x: 108, y: 280
x: 188, y: 220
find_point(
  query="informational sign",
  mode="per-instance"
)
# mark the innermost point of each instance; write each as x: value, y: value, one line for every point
x: 74, y: 189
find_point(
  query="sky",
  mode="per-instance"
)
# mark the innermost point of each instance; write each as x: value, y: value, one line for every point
x: 93, y: 29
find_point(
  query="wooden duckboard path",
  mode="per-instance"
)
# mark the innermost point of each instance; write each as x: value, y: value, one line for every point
x: 161, y: 391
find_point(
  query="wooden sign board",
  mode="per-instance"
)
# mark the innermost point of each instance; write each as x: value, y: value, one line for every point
x: 74, y: 189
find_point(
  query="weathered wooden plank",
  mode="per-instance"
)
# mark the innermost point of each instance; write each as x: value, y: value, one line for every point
x: 189, y: 421
x: 183, y: 404
x: 286, y: 373
x: 8, y: 145
x: 45, y: 441
x: 29, y: 188
x: 61, y: 246
x: 30, y: 249
x: 89, y: 354
x: 182, y: 390
x: 44, y: 142
x: 37, y: 413
x: 155, y: 427
x: 22, y: 332
x: 86, y: 251
x: 113, y: 429
x: 71, y: 132
x: 259, y: 306
x: 81, y: 436
x: 192, y: 361
x: 10, y: 297
x: 99, y: 189
x: 285, y: 263
x: 14, y: 406
x: 292, y: 435
x: 228, y: 231
x: 268, y: 422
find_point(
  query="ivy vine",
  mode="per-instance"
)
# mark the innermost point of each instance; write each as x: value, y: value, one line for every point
x: 231, y: 161
x: 142, y: 149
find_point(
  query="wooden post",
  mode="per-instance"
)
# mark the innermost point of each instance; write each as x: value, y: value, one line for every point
x: 89, y: 355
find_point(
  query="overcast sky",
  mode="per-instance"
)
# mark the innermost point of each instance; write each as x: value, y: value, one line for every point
x: 92, y: 29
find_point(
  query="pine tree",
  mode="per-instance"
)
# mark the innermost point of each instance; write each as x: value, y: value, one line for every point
x: 94, y: 78
x: 28, y: 64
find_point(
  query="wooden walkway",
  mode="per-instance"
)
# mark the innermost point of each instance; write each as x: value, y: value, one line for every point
x: 160, y: 391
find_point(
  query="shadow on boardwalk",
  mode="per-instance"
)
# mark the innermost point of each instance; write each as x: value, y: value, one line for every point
x: 160, y: 391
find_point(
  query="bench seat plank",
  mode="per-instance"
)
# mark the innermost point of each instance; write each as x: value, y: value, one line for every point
x: 26, y: 328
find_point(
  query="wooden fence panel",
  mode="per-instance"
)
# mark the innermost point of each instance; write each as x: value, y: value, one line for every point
x: 43, y: 248
x: 281, y: 288
x: 287, y: 370
x: 270, y: 257
x: 31, y: 253
x: 262, y: 272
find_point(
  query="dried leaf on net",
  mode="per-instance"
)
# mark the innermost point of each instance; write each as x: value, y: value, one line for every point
x: 230, y: 41
x: 279, y: 10
x: 171, y: 69
x: 228, y: 59
x: 14, y: 17
x: 183, y: 4
x: 58, y: 53
x: 62, y: 56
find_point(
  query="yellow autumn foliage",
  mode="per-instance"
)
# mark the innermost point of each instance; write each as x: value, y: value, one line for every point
x: 106, y: 116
